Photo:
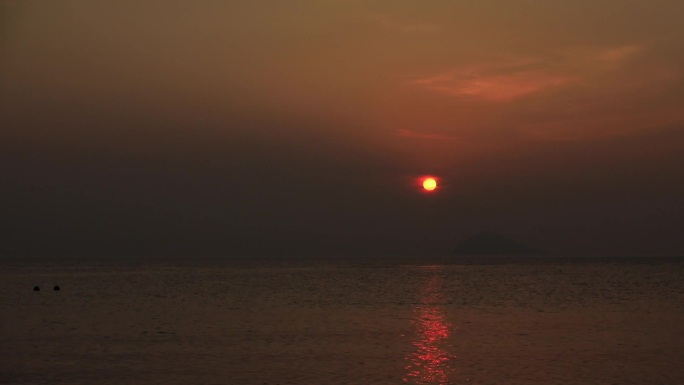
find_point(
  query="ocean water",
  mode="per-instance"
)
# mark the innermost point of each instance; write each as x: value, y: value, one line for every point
x: 342, y: 321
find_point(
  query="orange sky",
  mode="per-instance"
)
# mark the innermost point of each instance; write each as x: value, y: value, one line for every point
x: 544, y: 120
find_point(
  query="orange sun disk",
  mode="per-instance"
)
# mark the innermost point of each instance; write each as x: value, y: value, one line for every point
x: 429, y: 184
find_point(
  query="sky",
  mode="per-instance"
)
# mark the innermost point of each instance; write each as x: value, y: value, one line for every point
x: 195, y: 127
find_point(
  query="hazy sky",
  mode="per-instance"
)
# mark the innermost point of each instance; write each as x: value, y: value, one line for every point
x: 139, y: 123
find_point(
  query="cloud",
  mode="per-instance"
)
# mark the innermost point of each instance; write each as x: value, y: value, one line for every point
x: 619, y: 54
x: 580, y: 93
x: 514, y: 77
x: 501, y: 87
x: 420, y: 135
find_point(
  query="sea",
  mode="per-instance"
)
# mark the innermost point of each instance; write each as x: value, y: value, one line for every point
x: 357, y: 320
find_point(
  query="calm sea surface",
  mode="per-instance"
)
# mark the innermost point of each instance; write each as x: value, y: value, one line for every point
x: 342, y: 321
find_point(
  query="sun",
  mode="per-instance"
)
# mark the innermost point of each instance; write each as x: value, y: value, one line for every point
x: 429, y: 183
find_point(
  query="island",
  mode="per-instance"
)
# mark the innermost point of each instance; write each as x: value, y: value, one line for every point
x: 490, y: 243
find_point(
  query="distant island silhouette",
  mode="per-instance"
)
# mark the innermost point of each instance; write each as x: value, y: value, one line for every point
x: 490, y: 243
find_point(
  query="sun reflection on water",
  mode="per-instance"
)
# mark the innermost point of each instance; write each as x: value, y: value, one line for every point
x: 430, y: 362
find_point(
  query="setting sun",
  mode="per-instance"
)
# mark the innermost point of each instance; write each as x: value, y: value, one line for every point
x: 429, y: 184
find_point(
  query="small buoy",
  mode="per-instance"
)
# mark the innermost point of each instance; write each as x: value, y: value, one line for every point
x: 36, y: 288
x: 56, y: 288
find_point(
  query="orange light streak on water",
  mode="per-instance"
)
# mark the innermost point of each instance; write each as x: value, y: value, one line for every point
x: 431, y: 362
